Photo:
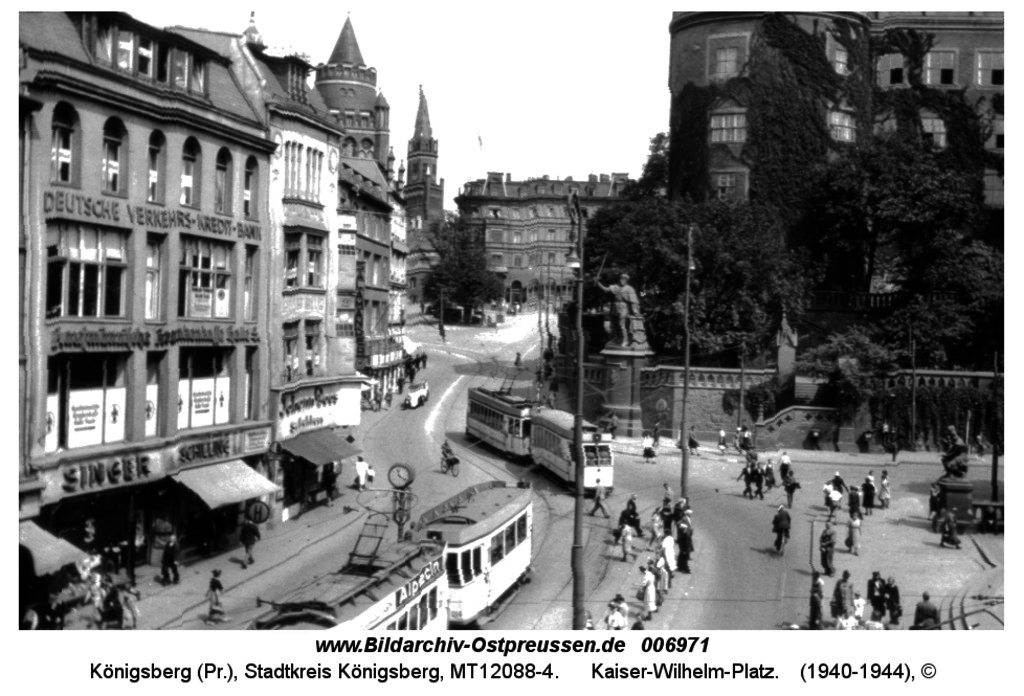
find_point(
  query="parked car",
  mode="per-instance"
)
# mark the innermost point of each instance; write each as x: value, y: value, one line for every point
x: 417, y: 394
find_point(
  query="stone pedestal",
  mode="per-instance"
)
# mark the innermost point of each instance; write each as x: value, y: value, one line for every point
x: 957, y: 496
x: 623, y: 396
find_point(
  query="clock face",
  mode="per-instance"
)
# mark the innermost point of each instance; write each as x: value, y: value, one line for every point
x: 400, y: 475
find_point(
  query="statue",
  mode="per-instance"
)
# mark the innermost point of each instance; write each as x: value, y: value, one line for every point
x: 954, y: 461
x: 625, y: 305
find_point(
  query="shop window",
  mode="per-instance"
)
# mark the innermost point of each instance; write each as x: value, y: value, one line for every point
x: 204, y: 387
x: 204, y: 280
x: 933, y: 131
x: 191, y: 168
x: 222, y: 182
x: 86, y: 400
x: 152, y: 406
x: 990, y: 69
x: 729, y: 128
x: 157, y: 163
x: 115, y: 149
x: 312, y: 348
x: 842, y: 127
x: 250, y: 188
x: 290, y: 335
x: 65, y: 145
x: 250, y: 283
x: 86, y: 271
x: 940, y: 68
x: 154, y: 278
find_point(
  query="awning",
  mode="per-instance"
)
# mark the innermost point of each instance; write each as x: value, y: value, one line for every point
x: 320, y: 447
x: 410, y: 345
x: 49, y: 553
x: 223, y: 484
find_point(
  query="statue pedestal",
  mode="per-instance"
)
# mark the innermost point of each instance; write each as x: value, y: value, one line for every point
x: 624, y: 365
x: 957, y: 496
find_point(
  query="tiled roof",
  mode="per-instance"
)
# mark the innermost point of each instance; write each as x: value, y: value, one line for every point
x: 346, y: 50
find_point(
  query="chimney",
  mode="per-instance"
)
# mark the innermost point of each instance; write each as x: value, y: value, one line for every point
x: 591, y: 178
x: 605, y: 179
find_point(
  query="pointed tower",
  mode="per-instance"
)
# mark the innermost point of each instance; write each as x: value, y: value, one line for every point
x: 349, y: 87
x: 424, y: 195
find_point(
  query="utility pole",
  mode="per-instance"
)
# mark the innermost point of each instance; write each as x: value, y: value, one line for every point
x: 913, y: 390
x: 579, y: 615
x: 995, y: 435
x: 684, y: 438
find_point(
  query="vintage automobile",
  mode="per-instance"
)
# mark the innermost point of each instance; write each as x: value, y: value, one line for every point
x: 417, y: 394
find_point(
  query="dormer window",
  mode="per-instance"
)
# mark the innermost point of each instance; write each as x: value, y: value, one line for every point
x: 198, y: 83
x: 145, y: 57
x: 179, y: 69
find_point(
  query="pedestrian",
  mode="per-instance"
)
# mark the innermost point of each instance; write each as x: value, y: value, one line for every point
x: 615, y: 621
x: 129, y: 596
x: 785, y: 465
x: 868, y: 494
x: 656, y: 433
x: 214, y: 598
x: 519, y: 359
x: 657, y: 530
x: 378, y: 399
x: 666, y: 494
x: 853, y: 533
x: 388, y: 398
x: 169, y: 561
x: 626, y: 540
x: 827, y: 546
x: 330, y: 482
x: 817, y: 600
x: 935, y: 506
x: 858, y: 607
x: 826, y: 490
x: 721, y: 441
x: 759, y: 476
x: 738, y: 441
x: 926, y: 614
x: 780, y: 527
x: 622, y: 604
x: 948, y: 530
x: 790, y: 485
x: 362, y: 470
x: 667, y: 550
x: 648, y: 446
x: 648, y: 593
x: 600, y: 494
x: 746, y: 441
x: 401, y: 383
x: 769, y: 475
x: 876, y: 593
x: 633, y: 516
x: 838, y: 484
x: 748, y: 480
x: 691, y: 442
x: 684, y: 538
x: 854, y: 500
x: 892, y: 601
x: 842, y: 597
x: 249, y: 535
x: 884, y: 490
x: 663, y: 576
x: 835, y: 502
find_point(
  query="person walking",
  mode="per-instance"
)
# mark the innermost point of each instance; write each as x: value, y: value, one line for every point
x: 648, y: 591
x: 892, y: 601
x: 780, y: 527
x: 249, y: 535
x: 387, y: 399
x: 842, y: 597
x: 854, y: 500
x: 169, y: 561
x: 667, y: 549
x: 721, y: 441
x: 868, y: 494
x: 648, y: 446
x: 935, y: 506
x: 785, y: 465
x: 876, y: 593
x: 600, y: 494
x: 839, y: 484
x: 214, y: 598
x: 748, y: 480
x: 666, y: 494
x: 758, y: 475
x: 790, y: 485
x: 884, y: 490
x: 926, y: 614
x: 827, y: 546
x: 362, y: 470
x: 817, y: 601
x: 613, y: 425
x: 684, y: 539
x: 769, y: 475
x: 626, y: 540
x: 853, y: 533
x: 692, y: 443
x: 330, y: 479
x: 948, y: 531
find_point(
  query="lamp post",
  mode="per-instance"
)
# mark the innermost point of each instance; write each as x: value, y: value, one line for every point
x: 684, y: 438
x: 579, y: 615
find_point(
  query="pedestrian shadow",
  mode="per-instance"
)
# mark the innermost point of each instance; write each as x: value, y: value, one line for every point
x: 769, y: 551
x: 240, y: 562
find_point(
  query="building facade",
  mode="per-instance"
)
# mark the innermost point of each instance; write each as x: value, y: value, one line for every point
x: 527, y: 229
x: 145, y: 175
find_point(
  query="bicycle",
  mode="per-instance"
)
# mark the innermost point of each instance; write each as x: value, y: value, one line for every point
x: 450, y: 464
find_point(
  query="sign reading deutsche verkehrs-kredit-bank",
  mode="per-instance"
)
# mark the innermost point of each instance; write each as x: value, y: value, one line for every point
x: 308, y: 408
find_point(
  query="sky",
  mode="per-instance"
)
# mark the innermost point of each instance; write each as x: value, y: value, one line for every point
x: 528, y: 88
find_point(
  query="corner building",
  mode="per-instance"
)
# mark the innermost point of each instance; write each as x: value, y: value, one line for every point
x: 145, y: 189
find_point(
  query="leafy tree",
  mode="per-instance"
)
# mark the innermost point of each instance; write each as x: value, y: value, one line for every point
x: 461, y: 275
x: 653, y: 181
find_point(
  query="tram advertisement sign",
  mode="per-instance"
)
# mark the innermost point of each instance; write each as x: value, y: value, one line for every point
x: 412, y: 588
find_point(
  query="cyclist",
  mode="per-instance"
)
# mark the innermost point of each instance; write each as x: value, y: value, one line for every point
x: 446, y: 451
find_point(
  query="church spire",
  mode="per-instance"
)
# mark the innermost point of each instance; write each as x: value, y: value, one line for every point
x: 422, y: 128
x: 347, y: 48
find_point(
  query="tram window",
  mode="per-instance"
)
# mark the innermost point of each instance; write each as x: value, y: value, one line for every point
x: 451, y: 565
x: 403, y: 622
x: 432, y: 603
x: 510, y: 537
x: 591, y: 456
x: 414, y: 618
x: 478, y: 565
x: 526, y: 428
x: 423, y: 611
x: 392, y: 626
x: 467, y: 569
x: 521, y: 527
x: 497, y: 549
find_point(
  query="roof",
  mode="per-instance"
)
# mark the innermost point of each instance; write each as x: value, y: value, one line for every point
x: 474, y: 512
x: 346, y: 50
x: 422, y: 127
x: 51, y: 31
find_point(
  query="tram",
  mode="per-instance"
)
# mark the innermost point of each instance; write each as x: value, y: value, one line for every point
x: 551, y: 443
x: 403, y: 587
x: 488, y: 531
x: 500, y: 419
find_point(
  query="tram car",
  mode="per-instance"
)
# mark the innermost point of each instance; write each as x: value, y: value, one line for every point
x: 500, y: 419
x: 401, y: 587
x: 488, y: 532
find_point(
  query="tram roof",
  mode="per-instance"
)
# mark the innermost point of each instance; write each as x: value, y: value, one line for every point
x: 505, y: 398
x: 561, y: 419
x: 475, y: 512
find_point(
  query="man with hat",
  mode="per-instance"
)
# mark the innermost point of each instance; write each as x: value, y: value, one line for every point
x: 780, y: 525
x: 827, y: 545
x: 684, y: 538
x: 625, y: 304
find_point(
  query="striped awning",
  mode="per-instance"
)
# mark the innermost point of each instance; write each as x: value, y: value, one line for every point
x: 225, y: 483
x: 49, y: 553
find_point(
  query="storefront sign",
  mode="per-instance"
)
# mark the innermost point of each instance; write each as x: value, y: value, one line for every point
x: 102, y: 474
x: 308, y: 408
x: 217, y: 447
x: 254, y: 441
x: 302, y: 305
x: 75, y: 204
x: 62, y: 339
x: 214, y: 335
x: 411, y: 589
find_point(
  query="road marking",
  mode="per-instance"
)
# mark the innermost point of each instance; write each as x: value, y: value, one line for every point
x: 428, y: 426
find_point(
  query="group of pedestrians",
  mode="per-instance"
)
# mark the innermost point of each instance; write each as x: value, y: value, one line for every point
x: 849, y: 610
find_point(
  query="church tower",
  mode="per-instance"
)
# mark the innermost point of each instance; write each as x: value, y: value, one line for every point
x: 349, y: 87
x: 423, y: 194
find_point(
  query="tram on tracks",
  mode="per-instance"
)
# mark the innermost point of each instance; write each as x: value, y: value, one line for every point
x: 500, y: 419
x: 403, y: 587
x: 488, y: 533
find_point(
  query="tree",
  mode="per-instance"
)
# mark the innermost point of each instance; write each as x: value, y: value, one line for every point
x: 461, y: 275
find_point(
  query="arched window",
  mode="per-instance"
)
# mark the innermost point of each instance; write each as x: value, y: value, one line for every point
x: 115, y: 150
x: 156, y: 164
x: 66, y: 145
x: 366, y: 148
x: 348, y: 147
x: 249, y: 190
x: 191, y: 168
x: 222, y: 182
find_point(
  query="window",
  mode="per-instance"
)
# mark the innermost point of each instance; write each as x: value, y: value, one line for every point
x: 726, y: 63
x: 890, y: 69
x: 144, y: 61
x: 222, y: 182
x: 204, y: 281
x: 940, y: 68
x: 191, y: 166
x: 152, y: 408
x: 153, y: 291
x: 497, y: 549
x: 345, y: 322
x: 725, y: 186
x: 312, y: 348
x: 103, y: 45
x: 291, y: 350
x: 85, y: 271
x: 521, y: 527
x: 305, y: 250
x: 552, y: 236
x: 842, y: 127
x: 497, y: 260
x: 198, y: 83
x: 115, y: 148
x: 249, y: 412
x: 125, y: 51
x: 517, y: 261
x: 729, y: 128
x: 180, y: 64
x: 934, y: 131
x: 156, y: 164
x: 314, y: 261
x: 204, y: 387
x: 996, y: 140
x: 990, y: 69
x: 842, y: 61
x: 250, y: 284
x: 993, y: 188
x: 250, y: 188
x: 65, y: 145
x: 86, y: 400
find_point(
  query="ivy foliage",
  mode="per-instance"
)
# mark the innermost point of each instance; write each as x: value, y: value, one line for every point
x: 932, y: 408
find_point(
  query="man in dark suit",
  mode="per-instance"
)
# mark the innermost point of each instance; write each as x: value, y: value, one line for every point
x: 926, y: 614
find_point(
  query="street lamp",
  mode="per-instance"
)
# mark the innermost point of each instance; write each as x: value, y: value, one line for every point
x: 684, y: 437
x: 579, y: 615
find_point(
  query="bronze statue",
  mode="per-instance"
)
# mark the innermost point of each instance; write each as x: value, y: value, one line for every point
x: 954, y: 461
x: 625, y: 305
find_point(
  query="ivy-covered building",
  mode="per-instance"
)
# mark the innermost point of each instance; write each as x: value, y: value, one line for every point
x: 758, y: 98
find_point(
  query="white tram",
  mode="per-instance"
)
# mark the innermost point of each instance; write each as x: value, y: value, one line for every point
x: 500, y: 419
x: 403, y: 587
x: 551, y: 443
x: 488, y: 529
